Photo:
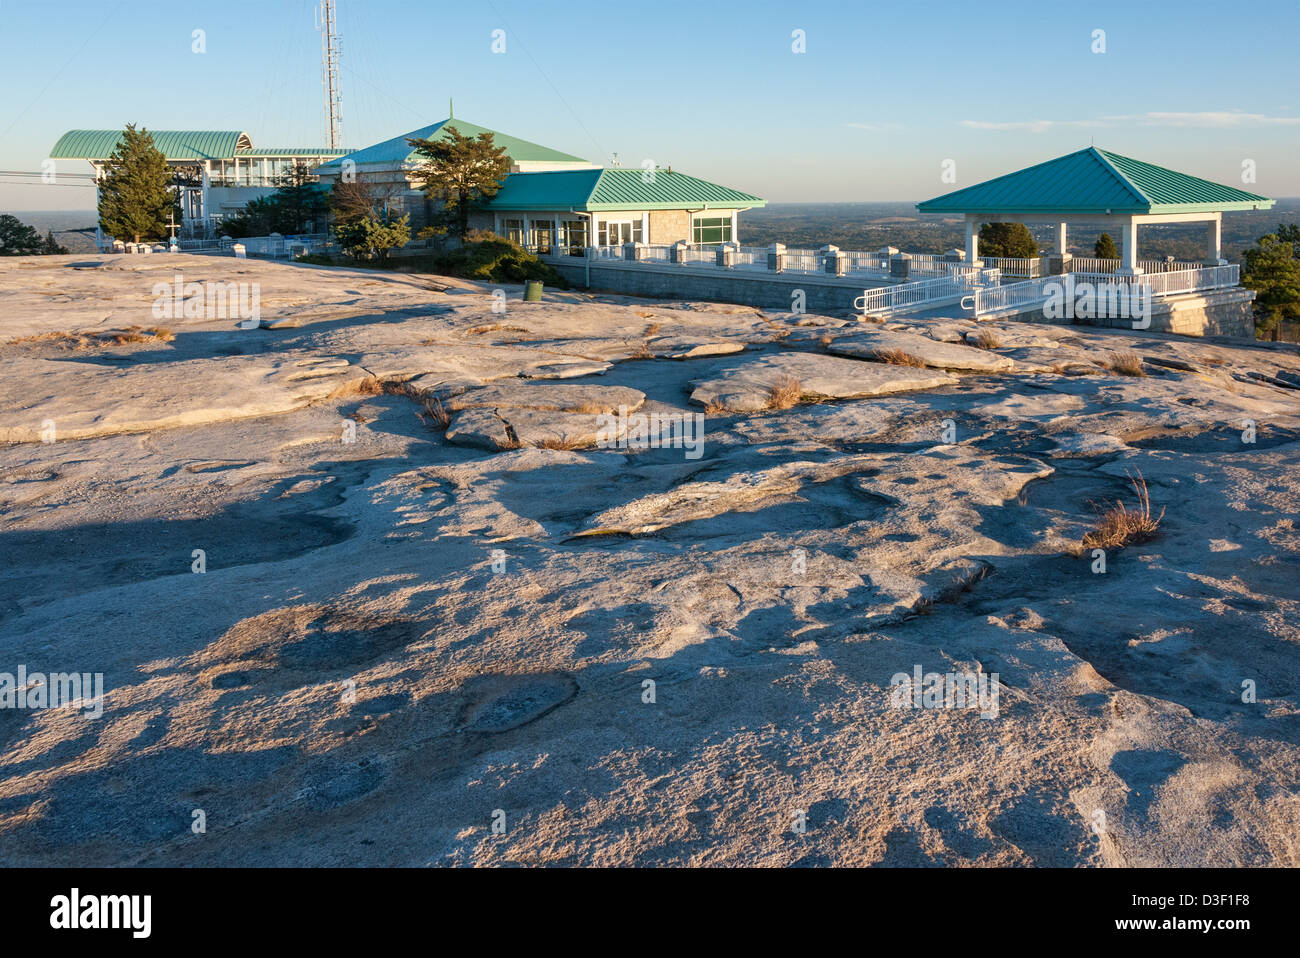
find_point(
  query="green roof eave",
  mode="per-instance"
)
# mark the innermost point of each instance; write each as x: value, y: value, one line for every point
x: 679, y: 205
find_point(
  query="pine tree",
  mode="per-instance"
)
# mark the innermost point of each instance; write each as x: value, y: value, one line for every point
x: 1105, y: 248
x: 17, y: 238
x: 1007, y: 239
x: 51, y: 245
x: 135, y: 198
x: 461, y: 172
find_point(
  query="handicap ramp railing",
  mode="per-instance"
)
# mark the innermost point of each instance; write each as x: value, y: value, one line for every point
x: 924, y: 294
x: 1021, y: 297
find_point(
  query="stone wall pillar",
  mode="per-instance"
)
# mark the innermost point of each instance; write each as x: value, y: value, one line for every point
x: 726, y: 255
x: 1058, y: 264
x: 634, y: 252
x: 833, y: 261
x: 900, y: 266
x: 677, y: 252
x: 776, y: 257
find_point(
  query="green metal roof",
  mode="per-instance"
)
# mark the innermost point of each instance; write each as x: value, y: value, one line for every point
x: 616, y: 188
x: 175, y: 145
x: 398, y: 150
x: 1095, y: 181
x: 290, y: 151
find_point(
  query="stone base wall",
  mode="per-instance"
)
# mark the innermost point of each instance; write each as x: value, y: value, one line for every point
x: 1223, y: 312
x: 775, y: 291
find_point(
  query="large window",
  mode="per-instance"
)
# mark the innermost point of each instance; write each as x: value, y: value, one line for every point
x: 618, y: 232
x: 573, y: 236
x: 543, y: 235
x: 711, y: 229
x: 514, y: 230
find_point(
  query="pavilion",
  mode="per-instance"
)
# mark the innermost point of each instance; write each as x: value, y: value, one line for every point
x: 1098, y: 188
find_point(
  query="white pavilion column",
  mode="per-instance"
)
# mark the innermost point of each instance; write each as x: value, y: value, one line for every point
x: 1214, y: 241
x: 972, y: 241
x: 1060, y: 237
x: 1128, y: 249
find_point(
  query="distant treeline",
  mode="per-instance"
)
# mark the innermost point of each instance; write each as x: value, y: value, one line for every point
x: 870, y: 226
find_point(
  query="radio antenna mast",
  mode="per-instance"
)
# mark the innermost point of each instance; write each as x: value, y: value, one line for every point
x: 328, y: 26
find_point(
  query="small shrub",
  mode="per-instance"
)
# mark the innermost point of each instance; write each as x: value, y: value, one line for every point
x: 1126, y: 363
x: 1119, y: 526
x: 784, y: 393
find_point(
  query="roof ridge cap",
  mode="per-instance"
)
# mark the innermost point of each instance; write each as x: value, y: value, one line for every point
x: 1104, y: 158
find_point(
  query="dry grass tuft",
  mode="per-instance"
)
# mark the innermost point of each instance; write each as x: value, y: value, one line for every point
x: 438, y: 414
x: 493, y: 328
x: 987, y: 339
x: 784, y: 393
x: 370, y: 386
x: 716, y: 407
x: 115, y: 337
x: 556, y: 442
x: 826, y: 339
x: 1126, y: 363
x: 1119, y: 526
x: 898, y: 357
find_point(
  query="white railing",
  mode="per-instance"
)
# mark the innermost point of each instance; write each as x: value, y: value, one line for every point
x: 752, y: 257
x: 994, y: 298
x: 700, y: 254
x: 922, y: 293
x: 1173, y: 282
x: 1090, y: 264
x: 1028, y: 268
x: 803, y: 261
x: 860, y: 262
x: 1031, y: 292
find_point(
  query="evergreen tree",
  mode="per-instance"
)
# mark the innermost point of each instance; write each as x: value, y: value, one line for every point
x: 51, y: 245
x: 17, y: 238
x: 461, y: 172
x: 1272, y: 270
x: 1105, y: 248
x: 135, y: 198
x: 1007, y: 239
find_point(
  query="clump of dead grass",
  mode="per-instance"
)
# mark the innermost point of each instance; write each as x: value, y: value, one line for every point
x: 898, y: 357
x: 715, y: 407
x: 87, y: 340
x: 1126, y: 363
x: 368, y: 386
x: 434, y: 413
x: 559, y: 442
x: 784, y: 393
x: 987, y: 339
x: 1119, y: 526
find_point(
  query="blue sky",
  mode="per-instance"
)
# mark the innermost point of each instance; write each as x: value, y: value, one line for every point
x: 884, y: 93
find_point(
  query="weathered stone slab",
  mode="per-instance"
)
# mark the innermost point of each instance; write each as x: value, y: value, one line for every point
x: 747, y: 388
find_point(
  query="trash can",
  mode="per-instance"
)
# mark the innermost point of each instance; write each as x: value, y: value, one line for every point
x: 533, y: 291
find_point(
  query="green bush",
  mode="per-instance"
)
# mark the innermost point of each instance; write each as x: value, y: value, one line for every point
x: 496, y: 260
